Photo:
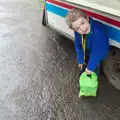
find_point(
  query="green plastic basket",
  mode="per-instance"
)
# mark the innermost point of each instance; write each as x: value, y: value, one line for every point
x: 88, y: 84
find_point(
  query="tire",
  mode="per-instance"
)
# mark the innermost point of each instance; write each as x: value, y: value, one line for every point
x: 111, y: 67
x: 44, y: 18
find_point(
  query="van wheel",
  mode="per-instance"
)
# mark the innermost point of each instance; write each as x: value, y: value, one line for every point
x: 111, y: 67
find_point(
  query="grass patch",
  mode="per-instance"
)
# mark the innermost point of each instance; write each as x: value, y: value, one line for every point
x: 42, y: 3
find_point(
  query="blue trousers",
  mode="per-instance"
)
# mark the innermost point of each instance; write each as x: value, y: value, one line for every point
x: 97, y: 70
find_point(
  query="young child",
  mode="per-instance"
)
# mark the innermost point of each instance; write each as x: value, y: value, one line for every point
x: 91, y: 41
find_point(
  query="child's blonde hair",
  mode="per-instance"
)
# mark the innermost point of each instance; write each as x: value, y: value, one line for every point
x: 74, y: 15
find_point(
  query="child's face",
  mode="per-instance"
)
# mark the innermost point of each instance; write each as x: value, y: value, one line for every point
x: 81, y: 25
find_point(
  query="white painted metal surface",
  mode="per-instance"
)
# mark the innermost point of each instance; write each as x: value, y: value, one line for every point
x: 60, y: 23
x: 108, y: 6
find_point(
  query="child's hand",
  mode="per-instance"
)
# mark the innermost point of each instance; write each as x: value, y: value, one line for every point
x: 88, y: 71
x: 80, y: 66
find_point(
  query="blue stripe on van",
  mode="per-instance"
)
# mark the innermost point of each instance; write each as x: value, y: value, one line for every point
x: 56, y: 10
x: 113, y: 33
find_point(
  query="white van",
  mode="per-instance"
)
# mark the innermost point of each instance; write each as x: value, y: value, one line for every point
x: 101, y: 10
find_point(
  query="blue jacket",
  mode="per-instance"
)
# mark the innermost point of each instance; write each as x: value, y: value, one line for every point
x: 97, y: 43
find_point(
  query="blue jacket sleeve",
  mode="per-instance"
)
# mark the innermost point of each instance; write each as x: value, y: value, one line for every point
x: 78, y: 48
x: 98, y: 51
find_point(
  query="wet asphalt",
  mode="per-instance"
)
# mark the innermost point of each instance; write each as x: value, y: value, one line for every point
x: 39, y: 74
